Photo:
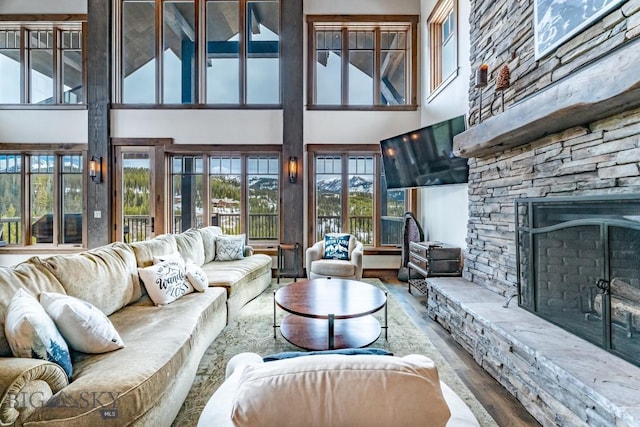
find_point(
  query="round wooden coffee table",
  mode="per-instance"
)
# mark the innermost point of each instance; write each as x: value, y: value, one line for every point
x: 330, y: 313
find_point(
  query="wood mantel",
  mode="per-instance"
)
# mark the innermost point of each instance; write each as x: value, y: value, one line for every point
x: 604, y: 88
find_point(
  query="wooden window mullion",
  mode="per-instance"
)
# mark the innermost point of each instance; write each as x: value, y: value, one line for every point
x: 377, y: 66
x: 242, y: 50
x: 24, y: 66
x: 159, y: 9
x: 56, y: 77
x: 344, y: 90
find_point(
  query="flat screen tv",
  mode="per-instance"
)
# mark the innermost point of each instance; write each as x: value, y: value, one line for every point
x: 424, y: 156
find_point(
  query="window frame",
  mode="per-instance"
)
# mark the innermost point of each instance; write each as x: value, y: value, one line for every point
x: 25, y: 151
x: 376, y: 23
x: 199, y: 88
x: 435, y: 22
x: 205, y: 152
x: 346, y: 151
x: 57, y: 24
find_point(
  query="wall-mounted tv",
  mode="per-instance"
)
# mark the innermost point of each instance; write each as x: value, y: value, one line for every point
x: 424, y: 156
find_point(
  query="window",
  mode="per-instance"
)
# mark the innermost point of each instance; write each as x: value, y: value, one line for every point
x: 350, y: 196
x: 243, y: 193
x: 41, y: 63
x: 44, y: 203
x: 444, y: 50
x: 358, y: 64
x: 216, y: 52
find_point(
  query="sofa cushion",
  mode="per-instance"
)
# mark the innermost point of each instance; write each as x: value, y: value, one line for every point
x: 32, y: 334
x: 84, y: 327
x: 106, y: 277
x: 333, y: 267
x: 230, y: 247
x: 23, y: 276
x: 233, y: 275
x: 320, y: 389
x: 161, y: 245
x: 209, y: 241
x: 129, y: 382
x: 190, y: 246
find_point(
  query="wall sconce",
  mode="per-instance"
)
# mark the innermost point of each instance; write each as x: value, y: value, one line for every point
x: 293, y: 169
x: 95, y: 169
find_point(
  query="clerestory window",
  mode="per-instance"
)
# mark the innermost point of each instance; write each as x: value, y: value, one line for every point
x: 41, y: 63
x: 358, y: 63
x: 443, y: 53
x: 214, y: 52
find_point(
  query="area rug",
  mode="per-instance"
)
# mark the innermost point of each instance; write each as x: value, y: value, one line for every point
x: 252, y: 331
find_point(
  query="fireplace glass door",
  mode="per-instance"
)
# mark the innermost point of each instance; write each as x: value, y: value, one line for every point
x: 579, y: 267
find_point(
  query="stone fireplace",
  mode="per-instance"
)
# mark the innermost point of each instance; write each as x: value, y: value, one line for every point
x: 564, y: 143
x: 578, y: 263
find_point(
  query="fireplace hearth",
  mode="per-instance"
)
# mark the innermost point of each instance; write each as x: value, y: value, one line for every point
x: 578, y: 265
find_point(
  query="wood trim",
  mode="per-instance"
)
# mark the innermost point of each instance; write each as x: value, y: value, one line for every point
x: 242, y: 50
x: 344, y: 72
x: 407, y: 107
x: 24, y: 67
x: 43, y: 17
x: 84, y: 54
x: 343, y: 148
x: 159, y: 31
x: 56, y: 77
x: 216, y: 149
x: 377, y: 64
x: 29, y: 148
x: 311, y: 65
x: 413, y: 78
x: 363, y: 18
x: 196, y: 106
x: 138, y: 142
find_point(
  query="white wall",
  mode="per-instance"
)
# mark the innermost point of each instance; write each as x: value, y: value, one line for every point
x: 444, y: 213
x: 361, y: 7
x: 46, y: 126
x: 192, y: 126
x: 444, y: 210
x: 357, y: 127
x: 43, y: 6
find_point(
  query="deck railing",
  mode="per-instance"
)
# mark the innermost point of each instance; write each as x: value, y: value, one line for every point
x: 261, y: 226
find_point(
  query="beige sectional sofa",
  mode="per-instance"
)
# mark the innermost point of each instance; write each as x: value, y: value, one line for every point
x: 146, y: 382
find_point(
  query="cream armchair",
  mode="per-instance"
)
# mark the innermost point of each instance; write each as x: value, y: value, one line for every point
x: 319, y: 267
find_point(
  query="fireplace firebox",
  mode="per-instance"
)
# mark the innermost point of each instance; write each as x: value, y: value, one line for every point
x: 578, y: 266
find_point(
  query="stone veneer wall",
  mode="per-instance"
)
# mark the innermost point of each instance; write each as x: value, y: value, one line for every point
x: 596, y: 158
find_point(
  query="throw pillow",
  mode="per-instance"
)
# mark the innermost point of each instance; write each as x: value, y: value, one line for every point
x: 197, y: 277
x: 165, y: 282
x: 82, y: 325
x: 229, y: 248
x: 32, y: 334
x: 336, y: 246
x: 175, y: 256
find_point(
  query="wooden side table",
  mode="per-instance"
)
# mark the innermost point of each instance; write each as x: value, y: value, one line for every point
x: 285, y: 269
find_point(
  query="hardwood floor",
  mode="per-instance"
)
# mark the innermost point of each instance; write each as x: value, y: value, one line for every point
x: 502, y: 406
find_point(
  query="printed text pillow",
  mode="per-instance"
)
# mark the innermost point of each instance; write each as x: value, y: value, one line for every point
x: 336, y: 246
x: 165, y: 282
